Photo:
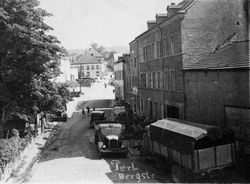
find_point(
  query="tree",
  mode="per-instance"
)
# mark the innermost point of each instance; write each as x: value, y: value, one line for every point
x: 28, y: 57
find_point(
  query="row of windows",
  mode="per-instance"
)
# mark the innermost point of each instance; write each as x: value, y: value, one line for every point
x: 152, y: 80
x: 132, y: 81
x: 158, y: 49
x: 155, y: 80
x: 88, y: 74
x: 92, y: 67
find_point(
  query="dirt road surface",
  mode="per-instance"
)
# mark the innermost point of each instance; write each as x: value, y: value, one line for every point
x: 73, y: 158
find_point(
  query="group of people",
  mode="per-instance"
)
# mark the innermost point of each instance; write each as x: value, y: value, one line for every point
x: 88, y: 110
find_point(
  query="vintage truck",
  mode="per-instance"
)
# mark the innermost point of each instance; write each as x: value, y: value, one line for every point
x: 108, y: 137
x: 190, y: 149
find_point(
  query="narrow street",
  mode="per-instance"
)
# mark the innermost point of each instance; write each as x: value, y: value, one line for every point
x: 73, y: 157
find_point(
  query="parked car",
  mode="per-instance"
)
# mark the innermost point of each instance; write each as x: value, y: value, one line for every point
x: 109, y: 139
x: 190, y: 149
x: 96, y: 115
x: 59, y: 116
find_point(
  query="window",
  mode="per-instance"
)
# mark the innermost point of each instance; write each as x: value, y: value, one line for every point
x: 88, y: 74
x: 171, y: 42
x: 153, y: 79
x: 144, y: 53
x: 150, y: 80
x: 135, y: 60
x: 172, y: 79
x: 97, y: 73
x: 164, y: 46
x: 82, y: 67
x: 158, y: 49
x: 166, y: 80
x: 87, y: 67
x: 152, y: 51
x: 92, y: 67
x: 159, y: 80
x: 97, y: 67
x: 155, y: 50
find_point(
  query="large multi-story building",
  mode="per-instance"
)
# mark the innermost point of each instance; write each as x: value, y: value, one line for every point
x: 188, y: 32
x: 87, y: 65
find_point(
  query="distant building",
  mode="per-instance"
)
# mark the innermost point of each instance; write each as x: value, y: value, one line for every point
x: 119, y: 79
x: 64, y: 66
x: 131, y: 70
x: 87, y: 65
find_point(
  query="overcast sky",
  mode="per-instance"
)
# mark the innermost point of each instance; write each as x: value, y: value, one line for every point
x: 77, y: 23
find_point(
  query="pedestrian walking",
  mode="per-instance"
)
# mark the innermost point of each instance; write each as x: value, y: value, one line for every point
x: 93, y: 108
x: 88, y: 110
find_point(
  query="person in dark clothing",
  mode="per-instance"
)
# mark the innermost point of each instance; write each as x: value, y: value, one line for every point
x: 88, y: 110
x: 93, y: 108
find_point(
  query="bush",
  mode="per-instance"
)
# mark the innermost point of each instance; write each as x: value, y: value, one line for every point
x: 11, y: 148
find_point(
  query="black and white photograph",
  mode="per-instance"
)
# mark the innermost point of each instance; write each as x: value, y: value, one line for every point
x: 124, y: 91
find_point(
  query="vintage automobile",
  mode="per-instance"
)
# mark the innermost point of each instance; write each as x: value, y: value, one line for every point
x: 192, y: 150
x: 59, y: 116
x: 96, y: 115
x: 108, y: 138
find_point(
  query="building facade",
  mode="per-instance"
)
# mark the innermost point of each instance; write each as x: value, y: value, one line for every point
x: 217, y: 90
x: 188, y: 32
x: 119, y: 77
x: 87, y: 65
x: 131, y: 70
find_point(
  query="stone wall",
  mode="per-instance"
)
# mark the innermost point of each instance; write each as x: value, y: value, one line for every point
x: 209, y: 92
x: 211, y: 24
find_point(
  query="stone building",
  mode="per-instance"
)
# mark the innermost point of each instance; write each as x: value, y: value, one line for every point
x: 190, y: 30
x: 217, y: 90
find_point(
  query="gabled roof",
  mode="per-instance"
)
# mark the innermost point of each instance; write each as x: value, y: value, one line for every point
x: 232, y: 56
x: 86, y: 59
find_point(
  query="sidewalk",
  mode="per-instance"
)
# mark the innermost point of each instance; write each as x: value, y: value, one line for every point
x: 29, y: 157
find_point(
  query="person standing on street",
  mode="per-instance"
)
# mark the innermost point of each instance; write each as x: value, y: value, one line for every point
x: 88, y: 110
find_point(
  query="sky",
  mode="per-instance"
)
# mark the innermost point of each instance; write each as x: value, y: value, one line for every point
x: 78, y: 23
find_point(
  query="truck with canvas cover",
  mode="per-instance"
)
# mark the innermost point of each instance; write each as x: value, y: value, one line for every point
x: 190, y: 149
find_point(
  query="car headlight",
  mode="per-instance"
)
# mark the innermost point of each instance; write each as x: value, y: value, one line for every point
x: 104, y: 146
x: 122, y: 146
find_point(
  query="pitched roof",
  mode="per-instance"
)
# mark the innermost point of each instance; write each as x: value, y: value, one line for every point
x: 234, y: 55
x: 86, y: 59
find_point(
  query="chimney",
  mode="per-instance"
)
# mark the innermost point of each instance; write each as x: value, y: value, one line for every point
x: 151, y: 23
x: 160, y: 17
x: 172, y: 9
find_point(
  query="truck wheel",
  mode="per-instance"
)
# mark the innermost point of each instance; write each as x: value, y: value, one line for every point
x: 178, y: 174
